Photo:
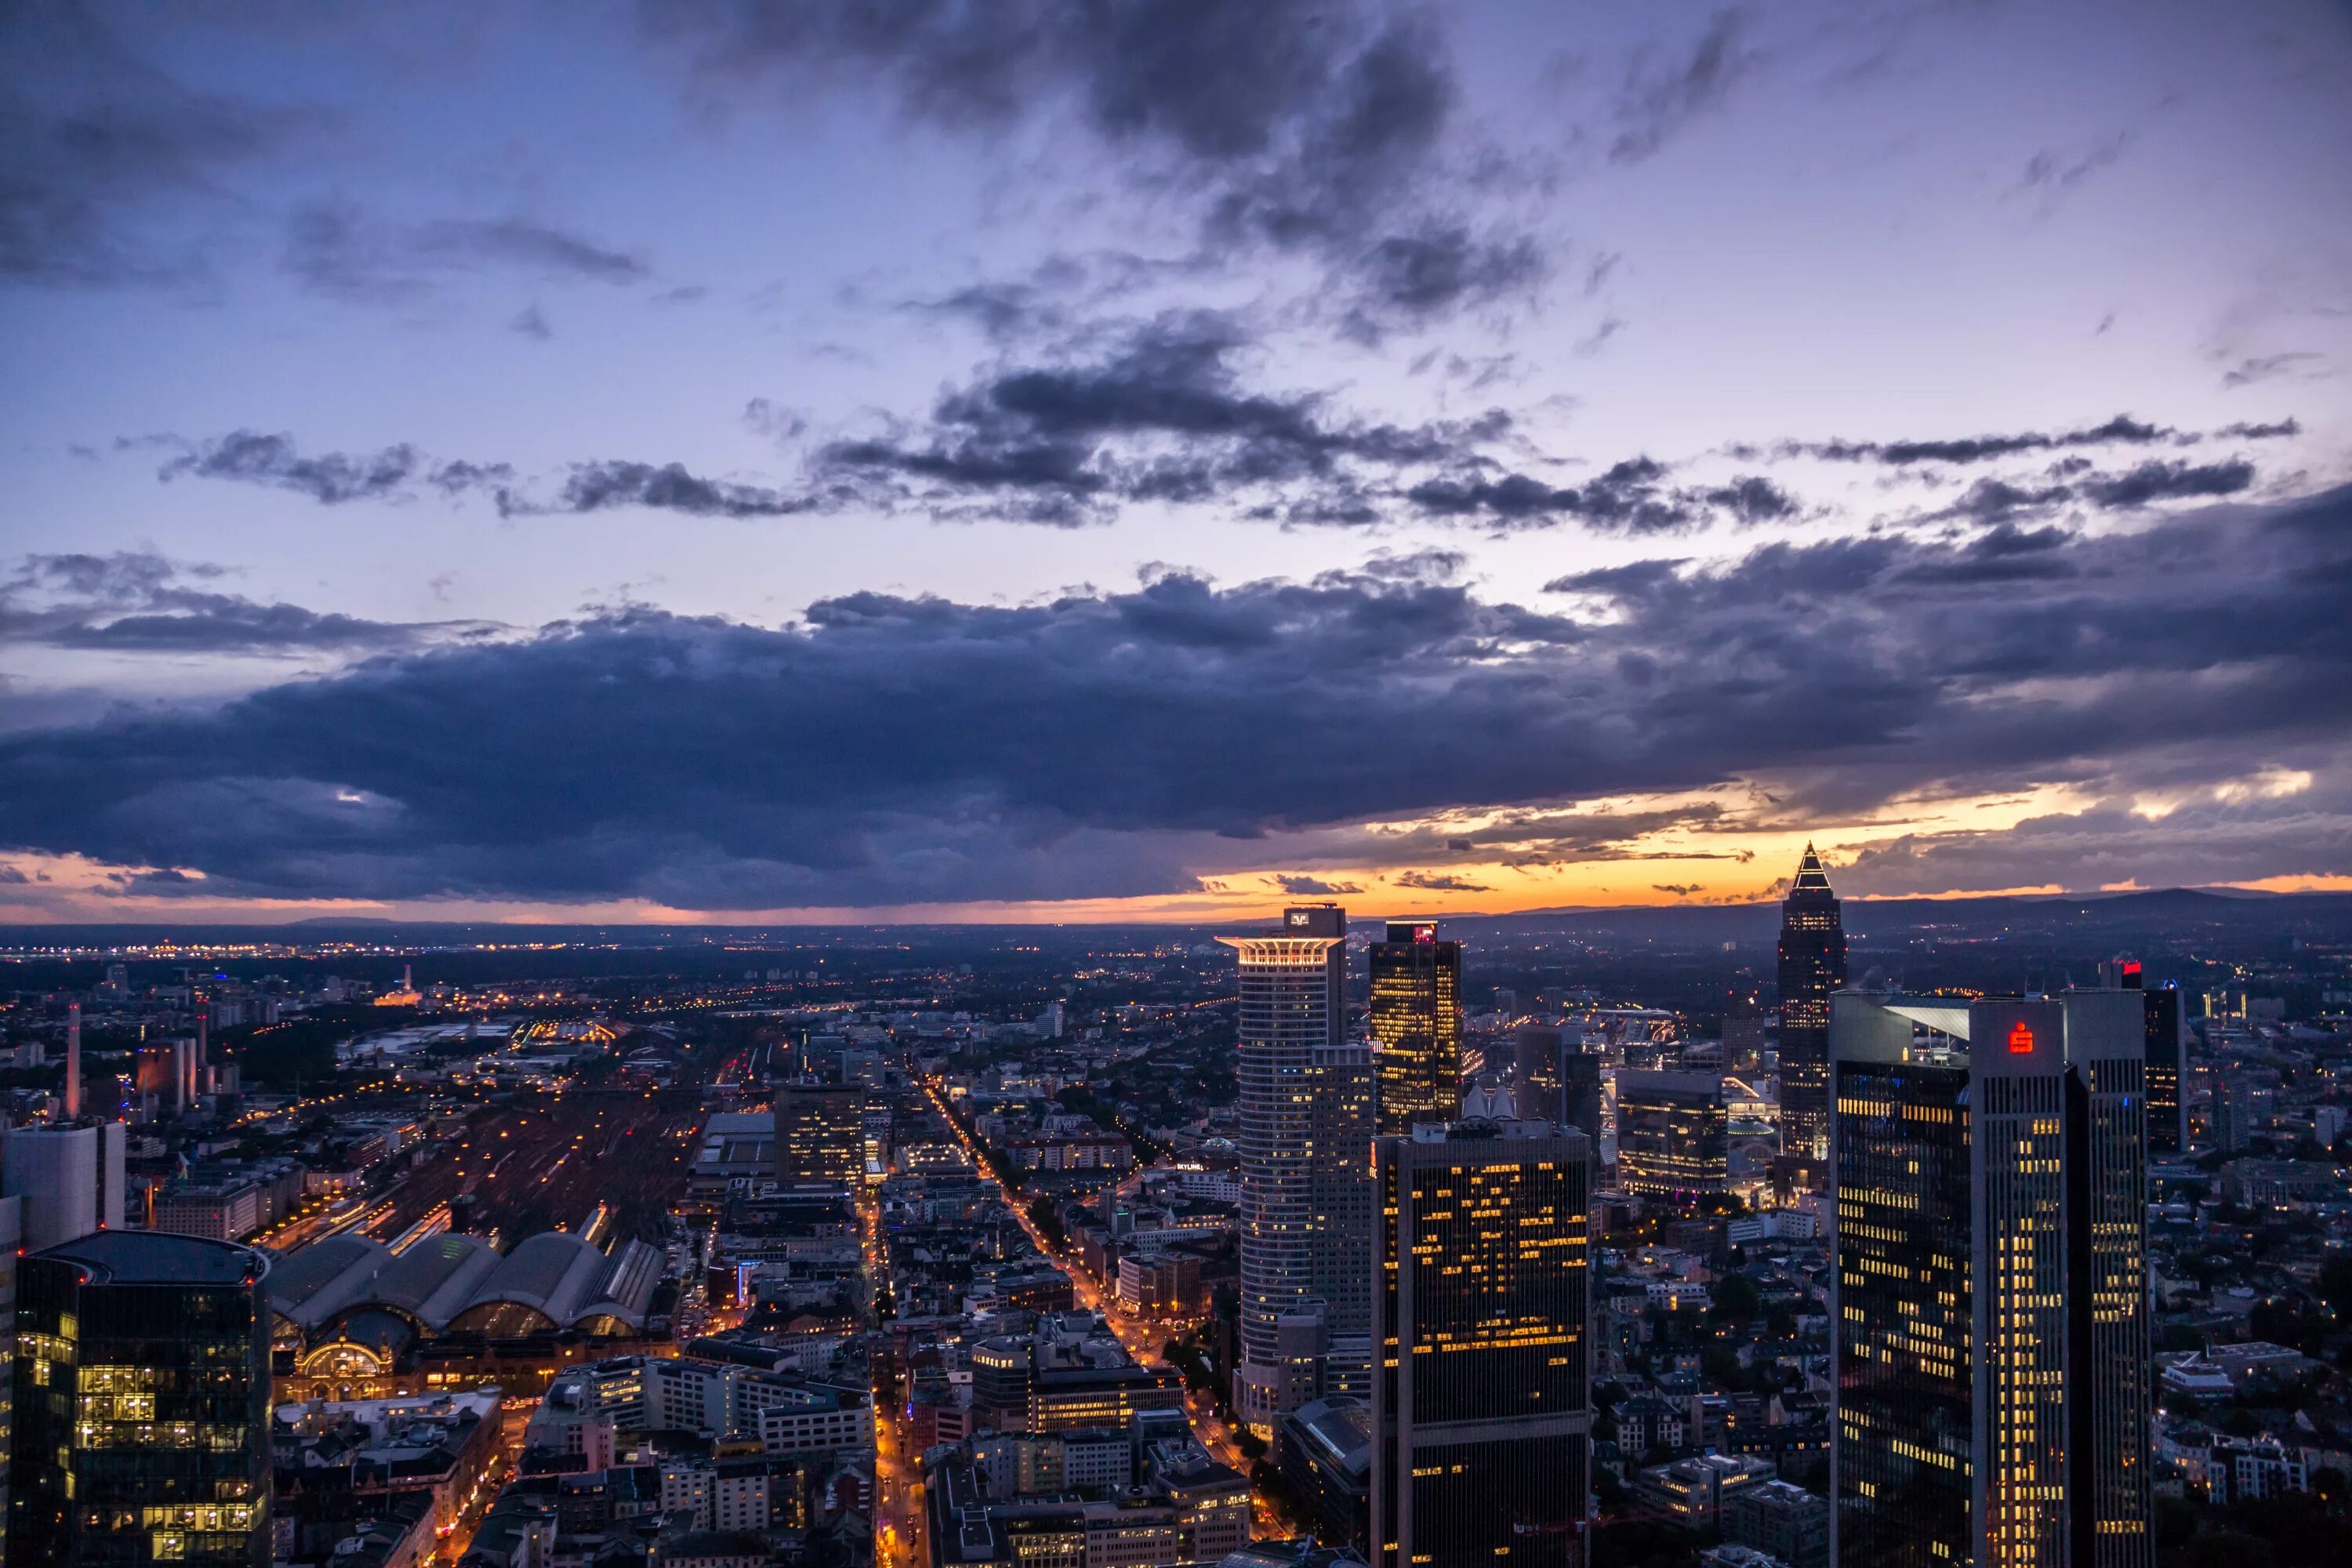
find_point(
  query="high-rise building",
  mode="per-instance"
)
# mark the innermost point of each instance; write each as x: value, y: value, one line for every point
x: 12, y: 1235
x: 1992, y: 1333
x: 71, y: 1179
x: 141, y: 1404
x: 2168, y: 1117
x: 1415, y: 1020
x: 820, y: 1131
x: 1305, y: 1100
x: 1673, y: 1133
x: 1558, y: 1080
x: 1812, y: 964
x: 1482, y: 1405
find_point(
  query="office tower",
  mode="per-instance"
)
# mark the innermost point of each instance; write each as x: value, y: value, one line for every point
x: 2167, y: 1118
x: 1415, y: 1019
x: 2233, y: 1112
x: 73, y: 1061
x: 1482, y: 1408
x: 1558, y: 1080
x: 12, y: 1236
x: 1306, y: 1104
x: 1673, y: 1133
x: 141, y: 1404
x: 1991, y: 1349
x: 71, y: 1179
x: 821, y: 1133
x: 1812, y: 964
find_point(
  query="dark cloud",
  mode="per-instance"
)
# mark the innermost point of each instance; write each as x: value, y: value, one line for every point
x: 1161, y: 415
x: 598, y: 487
x: 137, y: 602
x: 335, y: 250
x: 2123, y: 429
x: 886, y: 751
x: 1315, y: 887
x: 1632, y: 497
x: 531, y: 322
x: 1679, y: 890
x: 95, y: 140
x: 1661, y: 96
x: 2160, y: 481
x: 1439, y: 882
x: 1314, y: 128
x: 330, y: 478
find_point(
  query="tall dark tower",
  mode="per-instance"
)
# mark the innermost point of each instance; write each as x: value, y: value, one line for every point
x: 1416, y: 1026
x: 1482, y: 1409
x: 1991, y: 1346
x: 1812, y: 964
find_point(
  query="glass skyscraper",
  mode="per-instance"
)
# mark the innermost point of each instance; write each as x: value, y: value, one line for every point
x: 1812, y: 964
x: 1992, y: 1333
x: 141, y: 1404
x: 1416, y: 1026
x: 1482, y: 1408
x: 1673, y: 1133
x: 1305, y: 1100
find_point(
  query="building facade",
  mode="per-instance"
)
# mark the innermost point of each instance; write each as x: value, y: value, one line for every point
x: 1812, y: 965
x: 821, y: 1133
x: 141, y: 1404
x: 1305, y: 1100
x: 1991, y: 1339
x: 1481, y: 1420
x: 1415, y: 1021
x: 1673, y: 1133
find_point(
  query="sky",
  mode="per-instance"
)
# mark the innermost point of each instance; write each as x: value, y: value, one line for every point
x: 1157, y: 459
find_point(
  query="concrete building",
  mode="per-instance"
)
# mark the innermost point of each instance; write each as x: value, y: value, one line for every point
x: 70, y: 1178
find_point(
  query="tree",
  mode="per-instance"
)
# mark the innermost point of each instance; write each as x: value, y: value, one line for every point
x: 1048, y: 1222
x: 1736, y: 1298
x: 2336, y: 1285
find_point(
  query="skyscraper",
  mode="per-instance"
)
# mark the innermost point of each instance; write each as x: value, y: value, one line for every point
x: 1482, y: 1408
x: 1673, y: 1133
x: 2167, y: 1119
x: 1306, y: 1103
x: 1416, y: 1026
x: 141, y: 1404
x: 820, y: 1131
x: 1812, y: 964
x: 1992, y: 1349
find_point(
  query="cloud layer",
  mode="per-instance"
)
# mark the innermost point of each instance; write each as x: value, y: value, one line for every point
x: 895, y: 751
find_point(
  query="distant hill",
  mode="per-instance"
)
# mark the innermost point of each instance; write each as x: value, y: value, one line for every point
x: 2168, y: 912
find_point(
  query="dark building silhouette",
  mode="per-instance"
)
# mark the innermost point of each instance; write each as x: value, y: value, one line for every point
x: 1482, y: 1403
x: 1991, y: 1341
x: 1673, y: 1133
x: 821, y: 1133
x: 141, y: 1404
x: 1415, y: 1019
x: 1812, y: 964
x: 1558, y: 1080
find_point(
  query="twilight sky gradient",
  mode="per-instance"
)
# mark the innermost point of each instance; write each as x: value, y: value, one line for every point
x: 1151, y: 457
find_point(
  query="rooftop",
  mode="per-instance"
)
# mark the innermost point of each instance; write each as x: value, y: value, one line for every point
x: 161, y: 1257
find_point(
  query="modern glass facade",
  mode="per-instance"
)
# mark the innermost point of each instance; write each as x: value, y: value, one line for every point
x: 142, y: 1404
x: 1673, y: 1133
x: 1415, y: 1019
x: 1812, y: 965
x: 1305, y: 1105
x: 2166, y: 1121
x: 1482, y: 1405
x: 1903, y: 1483
x: 1991, y: 1340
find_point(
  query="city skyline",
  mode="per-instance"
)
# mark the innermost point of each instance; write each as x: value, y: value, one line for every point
x: 709, y: 462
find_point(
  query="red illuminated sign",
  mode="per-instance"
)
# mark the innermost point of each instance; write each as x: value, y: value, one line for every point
x: 1425, y: 933
x: 2021, y: 1039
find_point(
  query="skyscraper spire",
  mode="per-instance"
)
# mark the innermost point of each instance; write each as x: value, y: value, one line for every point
x: 1812, y: 964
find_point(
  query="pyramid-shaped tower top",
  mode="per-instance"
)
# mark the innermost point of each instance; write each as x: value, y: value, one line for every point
x: 1810, y: 877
